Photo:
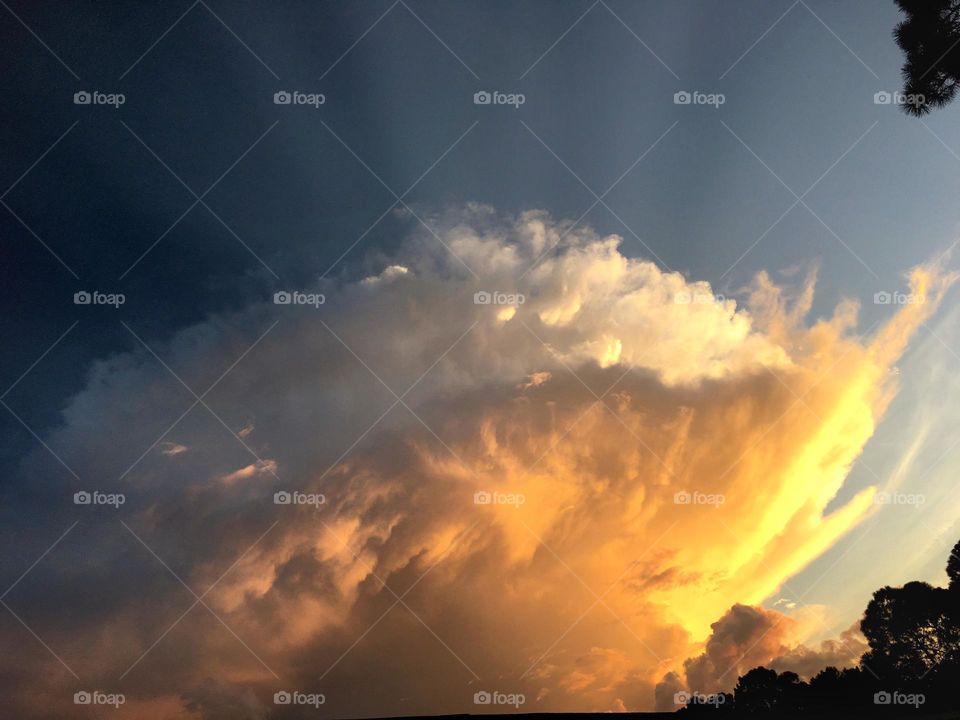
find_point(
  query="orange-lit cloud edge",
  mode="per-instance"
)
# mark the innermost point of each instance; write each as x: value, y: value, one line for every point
x: 658, y: 461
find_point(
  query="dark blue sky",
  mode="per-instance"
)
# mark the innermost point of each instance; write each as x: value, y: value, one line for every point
x: 598, y: 98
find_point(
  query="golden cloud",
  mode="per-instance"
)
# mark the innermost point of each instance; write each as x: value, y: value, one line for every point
x: 561, y: 506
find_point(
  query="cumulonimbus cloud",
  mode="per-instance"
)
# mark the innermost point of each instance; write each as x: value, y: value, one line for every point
x: 553, y: 494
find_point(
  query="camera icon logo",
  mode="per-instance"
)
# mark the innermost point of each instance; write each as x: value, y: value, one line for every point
x: 82, y: 98
x: 683, y: 298
x: 882, y: 98
x: 82, y: 298
x: 282, y: 498
x: 882, y: 698
x: 882, y: 298
x: 282, y: 698
x: 682, y: 498
x: 82, y: 698
x: 282, y: 97
x: 682, y: 98
x: 82, y: 498
x: 681, y: 698
x: 482, y: 98
x: 282, y: 298
x: 482, y: 697
x: 482, y: 498
x: 482, y: 298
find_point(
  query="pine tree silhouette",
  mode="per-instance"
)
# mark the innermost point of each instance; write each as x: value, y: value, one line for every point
x: 929, y: 38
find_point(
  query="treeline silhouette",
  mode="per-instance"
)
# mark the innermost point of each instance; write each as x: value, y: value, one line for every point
x: 913, y: 664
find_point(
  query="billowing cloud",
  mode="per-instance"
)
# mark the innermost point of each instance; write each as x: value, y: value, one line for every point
x: 842, y: 651
x: 509, y: 458
x: 743, y: 638
x: 746, y: 637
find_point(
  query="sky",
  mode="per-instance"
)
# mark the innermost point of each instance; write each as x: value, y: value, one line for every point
x: 685, y: 437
